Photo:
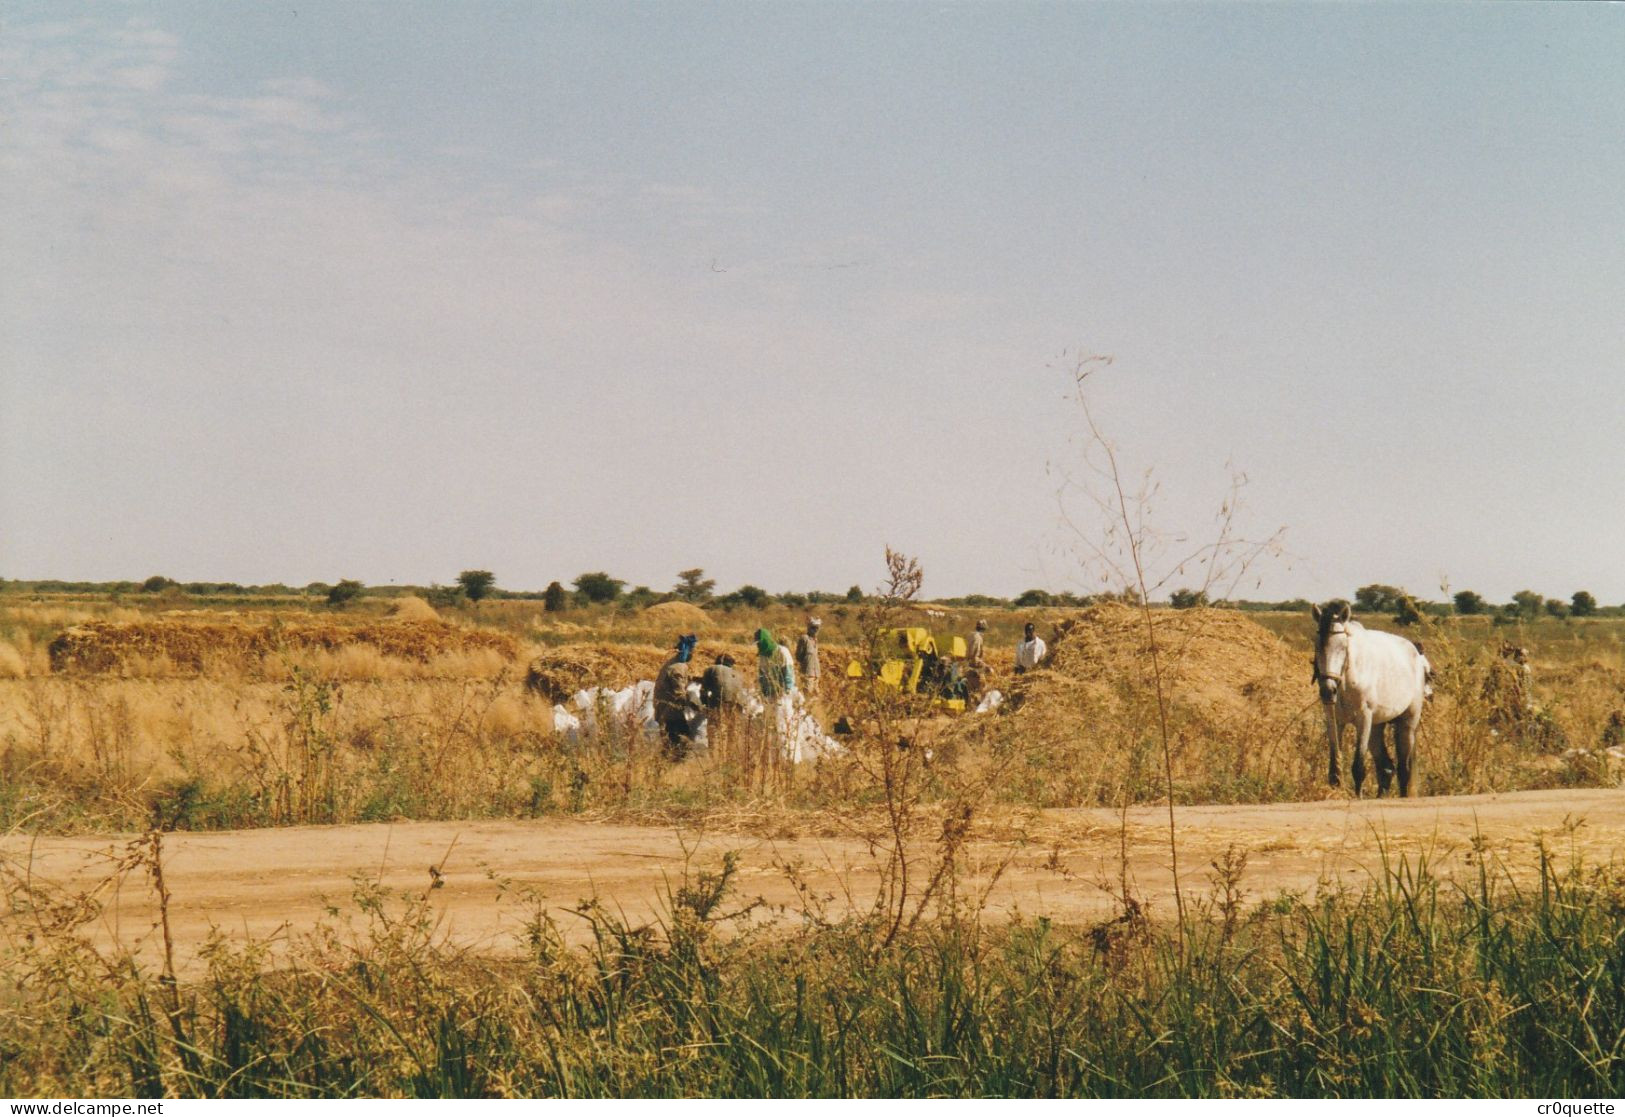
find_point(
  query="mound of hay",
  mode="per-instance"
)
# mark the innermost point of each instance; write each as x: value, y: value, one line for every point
x: 1221, y: 671
x: 559, y: 672
x: 188, y: 645
x: 680, y: 615
x: 411, y: 608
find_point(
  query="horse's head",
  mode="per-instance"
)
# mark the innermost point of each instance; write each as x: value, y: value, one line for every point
x: 1331, y: 647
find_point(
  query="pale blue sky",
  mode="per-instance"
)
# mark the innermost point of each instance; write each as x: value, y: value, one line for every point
x: 309, y: 290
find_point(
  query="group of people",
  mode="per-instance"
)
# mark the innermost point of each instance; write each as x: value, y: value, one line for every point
x: 721, y: 690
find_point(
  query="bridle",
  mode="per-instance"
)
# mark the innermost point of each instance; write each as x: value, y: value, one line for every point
x: 1314, y: 662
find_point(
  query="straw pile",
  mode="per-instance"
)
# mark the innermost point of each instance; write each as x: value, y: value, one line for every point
x: 189, y: 645
x: 412, y: 608
x: 1222, y: 672
x: 679, y: 616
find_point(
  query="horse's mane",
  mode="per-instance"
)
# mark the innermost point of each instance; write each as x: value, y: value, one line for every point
x: 1328, y: 618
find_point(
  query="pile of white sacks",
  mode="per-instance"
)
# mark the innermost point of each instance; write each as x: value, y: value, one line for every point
x: 631, y: 710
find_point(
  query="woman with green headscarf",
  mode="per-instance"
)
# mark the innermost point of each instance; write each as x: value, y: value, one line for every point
x: 775, y: 675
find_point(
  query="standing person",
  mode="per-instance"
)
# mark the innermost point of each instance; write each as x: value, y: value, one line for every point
x: 807, y: 657
x: 671, y: 701
x: 975, y: 664
x: 1030, y: 652
x: 775, y: 674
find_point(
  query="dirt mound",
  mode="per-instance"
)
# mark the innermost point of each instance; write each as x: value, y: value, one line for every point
x: 410, y: 608
x: 680, y: 615
x: 188, y: 645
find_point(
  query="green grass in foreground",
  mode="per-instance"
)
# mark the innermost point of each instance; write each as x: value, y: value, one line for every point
x: 1410, y: 988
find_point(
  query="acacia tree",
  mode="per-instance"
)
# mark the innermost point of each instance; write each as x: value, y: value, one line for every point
x: 693, y: 586
x: 1582, y: 604
x: 477, y: 584
x: 1528, y: 604
x: 599, y: 588
x: 1469, y: 603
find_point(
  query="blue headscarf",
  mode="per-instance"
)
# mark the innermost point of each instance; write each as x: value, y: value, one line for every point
x: 685, y: 647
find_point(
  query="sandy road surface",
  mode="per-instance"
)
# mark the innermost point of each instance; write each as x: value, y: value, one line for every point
x: 277, y: 883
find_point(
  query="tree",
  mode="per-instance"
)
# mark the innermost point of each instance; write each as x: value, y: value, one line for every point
x: 1469, y: 603
x: 752, y: 597
x: 1030, y: 598
x: 1377, y: 598
x: 554, y: 599
x: 1187, y: 599
x: 1582, y: 604
x: 477, y: 584
x: 156, y: 584
x: 1407, y: 611
x: 599, y: 588
x: 693, y: 586
x: 1527, y: 604
x: 344, y: 592
x: 1557, y: 607
x: 854, y: 595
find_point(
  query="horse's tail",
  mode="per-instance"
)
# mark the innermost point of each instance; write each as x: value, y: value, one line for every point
x: 1427, y: 670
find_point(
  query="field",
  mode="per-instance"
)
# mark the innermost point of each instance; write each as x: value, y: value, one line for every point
x: 294, y: 851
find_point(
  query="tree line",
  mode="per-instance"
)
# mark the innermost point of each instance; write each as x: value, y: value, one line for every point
x: 600, y: 589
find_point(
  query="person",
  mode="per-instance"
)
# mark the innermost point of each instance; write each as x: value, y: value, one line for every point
x: 1030, y: 652
x: 722, y: 694
x: 720, y: 686
x: 775, y: 675
x: 975, y: 663
x: 671, y: 701
x: 807, y: 657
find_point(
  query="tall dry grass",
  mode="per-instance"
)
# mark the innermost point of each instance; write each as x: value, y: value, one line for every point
x: 354, y: 735
x: 1413, y: 987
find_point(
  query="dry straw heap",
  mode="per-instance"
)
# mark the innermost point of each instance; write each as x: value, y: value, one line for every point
x: 1240, y: 704
x: 188, y: 645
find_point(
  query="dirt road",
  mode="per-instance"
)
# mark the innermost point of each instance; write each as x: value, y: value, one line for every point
x: 277, y: 883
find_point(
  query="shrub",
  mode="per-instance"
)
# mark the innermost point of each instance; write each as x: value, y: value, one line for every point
x: 346, y: 591
x: 477, y: 584
x: 599, y: 588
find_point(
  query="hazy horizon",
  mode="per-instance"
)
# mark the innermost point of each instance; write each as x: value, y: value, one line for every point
x: 390, y: 291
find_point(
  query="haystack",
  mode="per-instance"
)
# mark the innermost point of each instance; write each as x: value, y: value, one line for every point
x: 1221, y: 671
x: 188, y: 645
x: 412, y: 608
x: 679, y: 616
x: 559, y: 672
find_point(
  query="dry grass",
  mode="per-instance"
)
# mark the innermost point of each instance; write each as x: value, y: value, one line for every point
x: 191, y: 646
x: 347, y: 720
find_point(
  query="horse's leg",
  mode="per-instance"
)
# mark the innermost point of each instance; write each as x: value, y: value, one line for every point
x: 1361, y: 742
x: 1404, y: 747
x: 1380, y: 757
x: 1331, y: 744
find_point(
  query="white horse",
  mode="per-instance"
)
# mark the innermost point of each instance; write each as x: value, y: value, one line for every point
x: 1372, y: 680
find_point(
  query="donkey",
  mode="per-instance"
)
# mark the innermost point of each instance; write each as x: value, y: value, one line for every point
x: 1372, y: 680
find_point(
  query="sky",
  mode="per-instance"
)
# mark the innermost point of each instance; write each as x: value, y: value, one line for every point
x: 314, y: 290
